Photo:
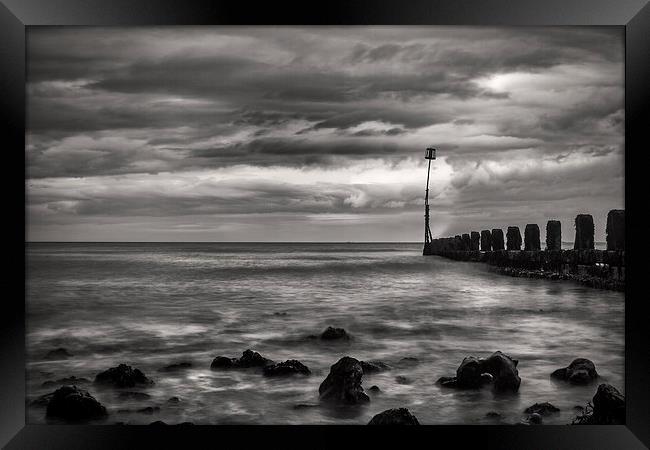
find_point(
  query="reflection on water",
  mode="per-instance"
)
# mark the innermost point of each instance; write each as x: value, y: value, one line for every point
x: 151, y: 305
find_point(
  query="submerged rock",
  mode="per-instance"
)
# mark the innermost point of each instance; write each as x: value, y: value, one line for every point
x: 66, y: 380
x: 148, y: 410
x: 173, y: 400
x: 408, y: 361
x: 498, y: 369
x: 580, y: 371
x: 176, y: 367
x: 396, y: 416
x: 123, y: 376
x: 450, y: 382
x: 400, y: 379
x: 131, y: 395
x: 374, y: 367
x: 289, y: 367
x: 56, y: 354
x: 544, y: 409
x: 72, y: 403
x: 158, y: 423
x: 343, y: 383
x: 248, y: 360
x: 333, y: 334
x: 375, y: 389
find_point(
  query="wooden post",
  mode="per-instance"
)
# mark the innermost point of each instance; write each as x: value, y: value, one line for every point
x: 486, y: 240
x: 584, y: 232
x: 553, y: 235
x: 497, y: 239
x: 531, y: 237
x: 616, y: 229
x: 513, y: 238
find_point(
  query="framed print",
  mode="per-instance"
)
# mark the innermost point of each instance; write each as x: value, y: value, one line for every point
x: 287, y: 224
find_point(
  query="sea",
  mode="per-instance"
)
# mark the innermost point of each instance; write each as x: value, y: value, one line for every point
x: 150, y: 305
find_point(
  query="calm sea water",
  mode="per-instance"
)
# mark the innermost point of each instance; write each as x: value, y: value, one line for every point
x: 150, y: 305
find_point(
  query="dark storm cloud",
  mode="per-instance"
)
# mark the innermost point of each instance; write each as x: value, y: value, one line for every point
x: 320, y: 121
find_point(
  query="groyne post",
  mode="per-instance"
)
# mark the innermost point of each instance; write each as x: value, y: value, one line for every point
x: 513, y: 238
x: 584, y: 232
x: 486, y: 240
x: 531, y: 237
x: 497, y: 239
x: 475, y: 240
x: 553, y: 235
x: 466, y: 242
x: 616, y: 230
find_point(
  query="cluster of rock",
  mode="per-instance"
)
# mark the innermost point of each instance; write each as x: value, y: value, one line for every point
x: 607, y: 408
x: 269, y: 368
x: 498, y: 370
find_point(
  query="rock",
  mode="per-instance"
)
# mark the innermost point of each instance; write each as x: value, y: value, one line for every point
x: 531, y: 237
x: 468, y: 374
x: 544, y: 409
x: 173, y: 400
x: 493, y: 415
x: 553, y: 235
x: 67, y: 380
x: 609, y: 406
x: 148, y: 410
x: 343, y: 383
x: 513, y: 238
x: 56, y: 354
x: 289, y: 367
x: 123, y: 376
x: 248, y: 359
x: 580, y: 371
x: 396, y: 416
x: 72, y: 403
x: 504, y: 370
x: 450, y: 382
x: 535, y: 419
x: 615, y: 230
x: 332, y: 334
x: 130, y: 395
x: 497, y: 239
x: 175, y: 367
x: 408, y: 361
x: 375, y: 389
x: 158, y: 423
x: 402, y: 380
x: 584, y: 232
x: 305, y: 406
x: 373, y: 367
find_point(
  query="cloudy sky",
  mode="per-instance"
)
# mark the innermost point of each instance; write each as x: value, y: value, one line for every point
x: 318, y: 134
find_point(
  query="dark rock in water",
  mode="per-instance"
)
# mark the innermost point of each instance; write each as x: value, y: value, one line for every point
x: 72, y: 403
x: 173, y: 400
x: 56, y: 354
x: 493, y: 415
x: 616, y: 229
x: 468, y: 374
x: 504, y: 370
x: 450, y: 382
x: 130, y: 395
x: 343, y: 383
x: 148, y: 410
x: 580, y: 371
x: 402, y: 380
x: 67, y: 380
x: 305, y: 406
x: 396, y: 416
x: 544, y: 409
x: 553, y: 235
x: 535, y: 419
x: 158, y: 423
x: 408, y: 361
x: 531, y: 237
x: 175, y: 367
x: 584, y: 232
x: 123, y: 376
x: 289, y: 367
x: 375, y: 389
x: 486, y: 240
x: 248, y: 359
x: 332, y: 334
x: 497, y: 239
x: 609, y: 406
x: 475, y: 239
x: 513, y: 238
x: 280, y: 313
x: 374, y: 367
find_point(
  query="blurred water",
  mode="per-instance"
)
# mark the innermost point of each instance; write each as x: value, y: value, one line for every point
x: 150, y: 305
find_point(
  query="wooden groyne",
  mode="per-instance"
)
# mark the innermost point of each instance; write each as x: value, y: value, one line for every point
x: 598, y: 268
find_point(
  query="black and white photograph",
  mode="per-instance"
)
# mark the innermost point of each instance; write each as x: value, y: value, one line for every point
x: 325, y: 225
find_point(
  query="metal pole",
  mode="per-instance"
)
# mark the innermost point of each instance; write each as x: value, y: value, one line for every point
x: 427, y: 231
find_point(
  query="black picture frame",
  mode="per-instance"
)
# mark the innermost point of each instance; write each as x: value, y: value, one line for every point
x: 16, y: 15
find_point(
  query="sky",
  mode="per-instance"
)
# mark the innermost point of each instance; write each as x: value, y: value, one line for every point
x: 318, y: 133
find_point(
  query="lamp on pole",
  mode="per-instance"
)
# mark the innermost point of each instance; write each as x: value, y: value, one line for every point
x: 429, y: 153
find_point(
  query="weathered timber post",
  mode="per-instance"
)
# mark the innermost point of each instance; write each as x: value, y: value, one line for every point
x: 475, y: 240
x: 616, y: 229
x: 553, y: 235
x: 531, y: 237
x: 513, y: 238
x: 466, y: 241
x: 497, y: 239
x: 584, y: 232
x: 486, y: 240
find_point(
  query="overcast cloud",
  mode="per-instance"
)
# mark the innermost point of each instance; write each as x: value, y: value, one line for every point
x: 318, y: 134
